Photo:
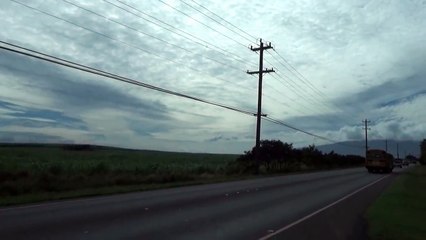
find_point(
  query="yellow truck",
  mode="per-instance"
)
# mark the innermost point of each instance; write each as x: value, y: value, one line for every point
x: 378, y: 160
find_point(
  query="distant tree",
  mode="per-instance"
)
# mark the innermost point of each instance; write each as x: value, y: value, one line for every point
x: 423, y: 152
x: 311, y: 155
x: 270, y: 153
x: 276, y: 156
x: 247, y: 163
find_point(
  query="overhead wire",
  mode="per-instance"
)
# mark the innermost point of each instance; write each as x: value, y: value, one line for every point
x: 312, y: 95
x: 216, y: 21
x: 70, y: 64
x: 294, y: 101
x: 298, y: 75
x: 221, y: 18
x: 122, y: 42
x: 95, y: 71
x: 322, y: 107
x: 126, y: 4
x: 279, y: 122
x: 287, y: 105
x: 298, y: 89
x: 177, y: 31
x: 205, y: 25
x: 131, y: 81
x: 303, y: 79
x: 144, y: 33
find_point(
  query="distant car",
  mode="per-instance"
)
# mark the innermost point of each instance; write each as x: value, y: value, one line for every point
x: 405, y: 162
x: 398, y: 163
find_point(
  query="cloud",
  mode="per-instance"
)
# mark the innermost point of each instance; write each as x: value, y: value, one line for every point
x: 30, y: 137
x: 36, y: 118
x: 365, y: 65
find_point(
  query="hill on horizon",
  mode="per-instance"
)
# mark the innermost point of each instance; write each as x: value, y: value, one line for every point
x: 405, y: 147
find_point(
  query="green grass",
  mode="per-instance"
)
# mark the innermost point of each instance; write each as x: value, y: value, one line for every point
x: 400, y: 212
x: 45, y: 172
x: 40, y: 172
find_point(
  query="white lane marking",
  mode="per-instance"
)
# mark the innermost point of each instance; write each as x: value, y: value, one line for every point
x: 320, y: 210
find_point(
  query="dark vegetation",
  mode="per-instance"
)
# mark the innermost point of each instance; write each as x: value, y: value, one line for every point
x: 423, y: 152
x: 274, y: 156
x: 29, y: 169
x: 34, y: 169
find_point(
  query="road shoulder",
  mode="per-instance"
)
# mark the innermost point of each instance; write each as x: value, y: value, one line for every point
x: 345, y: 220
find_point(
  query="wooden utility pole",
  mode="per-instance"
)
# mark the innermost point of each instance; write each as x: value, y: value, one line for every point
x: 366, y: 122
x: 386, y: 145
x: 260, y: 73
x: 397, y: 150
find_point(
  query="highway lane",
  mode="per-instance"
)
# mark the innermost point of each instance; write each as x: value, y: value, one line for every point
x: 247, y: 209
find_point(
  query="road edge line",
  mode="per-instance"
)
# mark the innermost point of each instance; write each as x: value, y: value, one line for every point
x: 320, y: 210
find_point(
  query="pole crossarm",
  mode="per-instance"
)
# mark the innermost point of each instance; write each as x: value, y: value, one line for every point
x: 266, y: 70
x: 262, y: 47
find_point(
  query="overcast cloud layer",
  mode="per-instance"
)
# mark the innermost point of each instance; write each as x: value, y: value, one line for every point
x: 363, y: 59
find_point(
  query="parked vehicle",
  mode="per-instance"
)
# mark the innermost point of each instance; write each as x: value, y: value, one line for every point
x: 397, y: 163
x: 378, y: 160
x: 405, y: 162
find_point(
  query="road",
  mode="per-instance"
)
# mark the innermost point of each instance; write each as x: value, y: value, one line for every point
x: 250, y: 209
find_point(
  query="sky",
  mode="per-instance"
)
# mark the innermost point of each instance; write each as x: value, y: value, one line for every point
x: 336, y: 63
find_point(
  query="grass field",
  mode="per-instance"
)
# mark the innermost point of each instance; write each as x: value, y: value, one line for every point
x: 31, y: 173
x: 400, y: 212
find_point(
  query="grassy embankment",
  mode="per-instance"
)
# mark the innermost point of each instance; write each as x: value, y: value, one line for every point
x: 46, y: 172
x: 400, y: 212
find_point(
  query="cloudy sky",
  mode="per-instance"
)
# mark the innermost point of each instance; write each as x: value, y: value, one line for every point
x: 355, y: 59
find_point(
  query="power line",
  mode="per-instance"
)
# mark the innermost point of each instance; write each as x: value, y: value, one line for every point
x: 142, y: 32
x: 298, y: 75
x: 298, y: 88
x: 299, y: 91
x: 300, y: 103
x: 306, y: 132
x: 248, y: 34
x: 66, y: 63
x: 207, y: 26
x: 119, y: 41
x: 96, y: 32
x: 310, y: 98
x: 303, y: 79
x: 275, y: 99
x: 177, y: 31
x: 239, y: 34
x: 284, y: 94
x: 294, y: 84
x: 291, y: 69
x: 81, y: 67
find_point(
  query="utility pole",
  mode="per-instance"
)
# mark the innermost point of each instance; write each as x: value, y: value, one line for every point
x: 386, y: 145
x: 397, y: 150
x: 366, y: 122
x: 261, y: 71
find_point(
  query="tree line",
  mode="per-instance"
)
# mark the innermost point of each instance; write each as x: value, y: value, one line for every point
x: 423, y: 152
x: 274, y: 156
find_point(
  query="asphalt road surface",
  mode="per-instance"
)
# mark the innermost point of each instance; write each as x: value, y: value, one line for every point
x: 301, y: 206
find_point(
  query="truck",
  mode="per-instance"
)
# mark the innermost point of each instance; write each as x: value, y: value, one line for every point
x: 378, y: 160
